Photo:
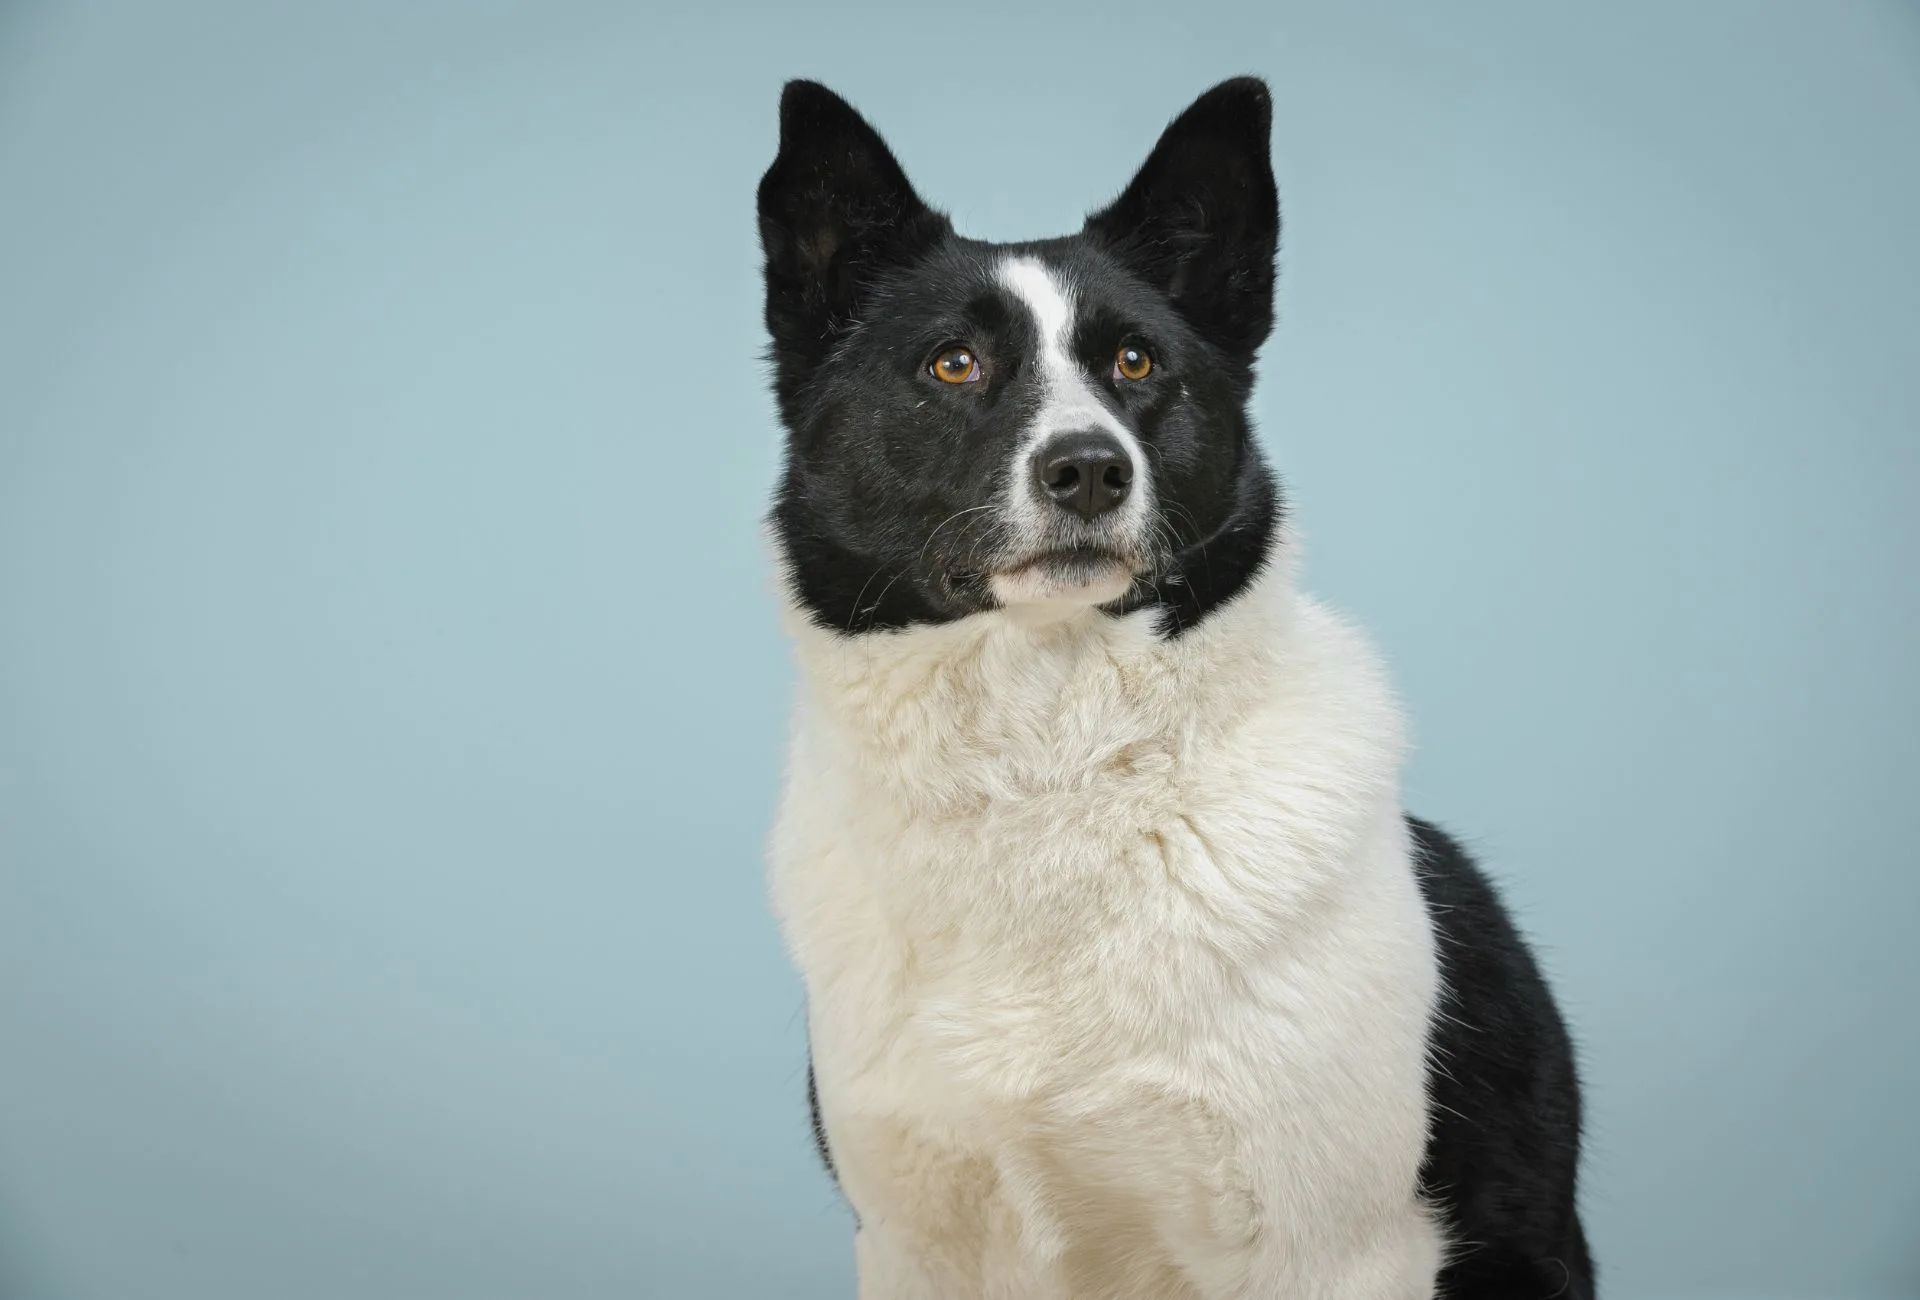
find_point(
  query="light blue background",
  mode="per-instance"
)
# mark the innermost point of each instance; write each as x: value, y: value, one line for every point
x: 390, y: 699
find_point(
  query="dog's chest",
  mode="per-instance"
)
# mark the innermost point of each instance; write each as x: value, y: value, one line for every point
x: 1072, y: 949
x: 1076, y: 1023
x: 1081, y: 949
x: 1020, y: 1060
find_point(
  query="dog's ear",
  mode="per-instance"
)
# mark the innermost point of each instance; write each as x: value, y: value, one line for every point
x: 835, y: 209
x: 1201, y: 220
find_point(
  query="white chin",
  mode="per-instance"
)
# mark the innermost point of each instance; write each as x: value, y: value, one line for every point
x: 1064, y: 583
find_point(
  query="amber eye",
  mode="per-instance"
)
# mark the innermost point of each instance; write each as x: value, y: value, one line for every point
x: 955, y: 366
x: 1132, y: 363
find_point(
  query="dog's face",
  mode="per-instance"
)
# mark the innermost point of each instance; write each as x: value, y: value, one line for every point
x: 1054, y: 427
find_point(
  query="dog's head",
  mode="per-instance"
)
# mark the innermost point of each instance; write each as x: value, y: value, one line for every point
x: 1051, y: 427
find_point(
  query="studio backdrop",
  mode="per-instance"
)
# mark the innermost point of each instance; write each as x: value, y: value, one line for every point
x: 391, y: 698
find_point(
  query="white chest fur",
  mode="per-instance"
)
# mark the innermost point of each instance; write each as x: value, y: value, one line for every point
x: 1118, y: 973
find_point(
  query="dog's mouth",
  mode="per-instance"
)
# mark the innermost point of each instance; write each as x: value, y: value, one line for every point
x: 1073, y: 559
x: 1078, y: 575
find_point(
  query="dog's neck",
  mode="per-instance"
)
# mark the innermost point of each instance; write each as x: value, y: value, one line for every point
x: 1007, y: 704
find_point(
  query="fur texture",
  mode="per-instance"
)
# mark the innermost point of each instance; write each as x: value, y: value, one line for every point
x: 1127, y: 975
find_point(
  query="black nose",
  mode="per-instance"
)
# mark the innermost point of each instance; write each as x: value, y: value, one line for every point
x: 1088, y: 472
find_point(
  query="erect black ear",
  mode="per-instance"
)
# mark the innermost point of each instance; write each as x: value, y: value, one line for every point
x: 1201, y: 220
x: 835, y: 208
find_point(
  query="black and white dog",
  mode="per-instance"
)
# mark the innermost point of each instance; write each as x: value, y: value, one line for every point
x: 1127, y: 974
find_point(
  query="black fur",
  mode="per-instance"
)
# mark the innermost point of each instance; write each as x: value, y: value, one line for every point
x: 886, y: 511
x: 1503, y: 1148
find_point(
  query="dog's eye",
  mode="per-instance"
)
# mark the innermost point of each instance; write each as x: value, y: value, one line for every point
x: 1132, y: 363
x: 955, y: 366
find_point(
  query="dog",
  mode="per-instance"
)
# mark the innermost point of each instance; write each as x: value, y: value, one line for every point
x: 1126, y: 973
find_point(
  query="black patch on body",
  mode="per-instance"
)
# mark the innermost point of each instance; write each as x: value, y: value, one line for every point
x: 1503, y: 1146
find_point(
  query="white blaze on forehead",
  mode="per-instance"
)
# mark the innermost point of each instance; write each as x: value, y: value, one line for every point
x: 1051, y: 304
x: 1070, y: 401
x: 1047, y: 299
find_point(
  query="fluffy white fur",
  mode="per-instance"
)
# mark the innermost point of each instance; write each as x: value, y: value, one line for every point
x: 1118, y: 974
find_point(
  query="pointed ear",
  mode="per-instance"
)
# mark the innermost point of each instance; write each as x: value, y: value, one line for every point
x: 835, y: 207
x: 1201, y: 220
